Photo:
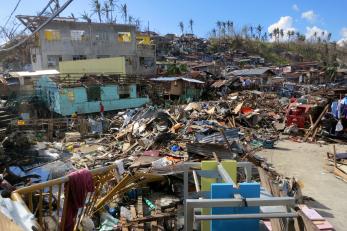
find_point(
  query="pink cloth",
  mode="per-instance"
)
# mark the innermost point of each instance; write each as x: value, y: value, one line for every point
x: 80, y: 183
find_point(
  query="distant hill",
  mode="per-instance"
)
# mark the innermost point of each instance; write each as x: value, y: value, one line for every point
x: 281, y: 53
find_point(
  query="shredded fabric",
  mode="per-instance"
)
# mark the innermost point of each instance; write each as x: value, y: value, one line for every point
x: 80, y: 183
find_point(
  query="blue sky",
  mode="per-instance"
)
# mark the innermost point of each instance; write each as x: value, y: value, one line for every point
x: 305, y: 16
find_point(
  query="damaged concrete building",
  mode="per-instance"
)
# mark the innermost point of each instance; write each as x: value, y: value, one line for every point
x: 66, y: 39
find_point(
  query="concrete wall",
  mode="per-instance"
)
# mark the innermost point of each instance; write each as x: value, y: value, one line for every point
x: 106, y: 65
x: 99, y: 40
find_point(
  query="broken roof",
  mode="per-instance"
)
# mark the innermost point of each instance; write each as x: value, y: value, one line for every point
x: 33, y: 73
x: 33, y: 22
x: 169, y: 79
x: 254, y: 71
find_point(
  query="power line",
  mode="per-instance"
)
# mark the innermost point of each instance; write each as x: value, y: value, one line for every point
x: 14, y: 10
x: 55, y: 14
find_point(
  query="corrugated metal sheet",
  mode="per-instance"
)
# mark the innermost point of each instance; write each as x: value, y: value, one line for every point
x: 232, y: 134
x: 221, y: 150
x: 169, y: 79
x: 248, y: 72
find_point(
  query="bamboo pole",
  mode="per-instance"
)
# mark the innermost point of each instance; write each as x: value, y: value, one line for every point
x: 50, y: 200
x: 30, y: 195
x: 40, y: 207
x: 63, y: 216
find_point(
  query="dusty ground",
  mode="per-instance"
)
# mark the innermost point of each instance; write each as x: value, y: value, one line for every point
x: 307, y: 162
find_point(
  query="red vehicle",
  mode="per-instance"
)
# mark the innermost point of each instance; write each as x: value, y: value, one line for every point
x: 298, y: 114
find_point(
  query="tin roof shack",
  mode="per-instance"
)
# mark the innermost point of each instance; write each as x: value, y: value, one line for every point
x: 84, y: 96
x: 260, y: 76
x: 65, y: 39
x: 178, y: 88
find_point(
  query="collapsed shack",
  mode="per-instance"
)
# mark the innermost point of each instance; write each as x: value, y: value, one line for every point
x: 177, y: 88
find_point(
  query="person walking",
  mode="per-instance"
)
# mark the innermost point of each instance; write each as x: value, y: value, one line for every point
x: 102, y: 110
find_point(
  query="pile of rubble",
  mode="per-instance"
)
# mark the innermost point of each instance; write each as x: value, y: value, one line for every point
x: 237, y: 125
x: 146, y: 144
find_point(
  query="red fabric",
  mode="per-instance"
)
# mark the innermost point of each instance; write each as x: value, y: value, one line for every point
x: 293, y: 99
x: 102, y: 108
x: 80, y: 183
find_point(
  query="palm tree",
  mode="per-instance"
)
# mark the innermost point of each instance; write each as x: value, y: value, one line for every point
x: 282, y: 33
x: 112, y: 4
x: 264, y: 37
x: 191, y: 22
x: 138, y: 24
x: 181, y: 26
x: 228, y: 27
x: 106, y: 10
x: 224, y: 26
x: 87, y: 17
x: 297, y: 35
x: 97, y: 9
x: 315, y: 35
x: 219, y: 26
x: 276, y: 33
x: 214, y: 32
x: 289, y: 34
x: 329, y: 37
x: 130, y: 19
x: 251, y: 30
x: 259, y: 29
x: 223, y: 31
x: 270, y: 35
x: 124, y: 9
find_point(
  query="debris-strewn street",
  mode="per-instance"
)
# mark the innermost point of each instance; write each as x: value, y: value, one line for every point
x: 108, y: 124
x: 308, y: 164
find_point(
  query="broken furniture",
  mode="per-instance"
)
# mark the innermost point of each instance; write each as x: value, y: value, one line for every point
x: 229, y: 204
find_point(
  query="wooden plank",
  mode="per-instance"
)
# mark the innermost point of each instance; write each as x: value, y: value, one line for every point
x: 265, y: 180
x: 340, y: 173
x: 304, y: 223
x: 312, y: 128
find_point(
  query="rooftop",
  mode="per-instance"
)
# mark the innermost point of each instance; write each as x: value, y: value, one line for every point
x: 254, y: 71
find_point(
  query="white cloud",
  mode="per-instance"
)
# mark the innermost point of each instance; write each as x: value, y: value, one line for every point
x: 295, y: 8
x: 319, y: 32
x: 310, y: 15
x: 285, y: 23
x: 343, y: 40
